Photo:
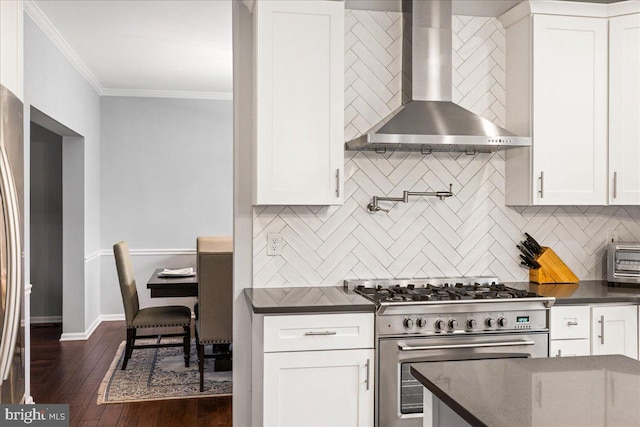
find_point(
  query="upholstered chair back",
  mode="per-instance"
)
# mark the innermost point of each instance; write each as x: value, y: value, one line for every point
x: 127, y: 282
x: 215, y: 289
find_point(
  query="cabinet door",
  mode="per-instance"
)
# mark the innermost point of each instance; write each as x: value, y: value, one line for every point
x: 548, y: 410
x: 622, y: 407
x: 299, y: 70
x: 570, y: 110
x: 615, y: 330
x: 624, y: 110
x: 568, y: 348
x: 318, y: 388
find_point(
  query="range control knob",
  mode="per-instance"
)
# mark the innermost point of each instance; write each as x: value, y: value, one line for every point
x: 490, y: 322
x: 453, y: 323
x: 502, y: 322
x: 471, y: 323
x: 421, y: 322
x: 408, y: 323
x: 438, y: 325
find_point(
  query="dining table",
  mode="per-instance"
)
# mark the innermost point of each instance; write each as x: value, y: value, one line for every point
x: 162, y: 286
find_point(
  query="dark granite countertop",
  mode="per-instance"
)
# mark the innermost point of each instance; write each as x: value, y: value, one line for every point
x: 336, y: 298
x: 567, y: 391
x: 584, y: 292
x: 306, y: 300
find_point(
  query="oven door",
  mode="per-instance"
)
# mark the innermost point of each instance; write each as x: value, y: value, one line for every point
x: 400, y: 395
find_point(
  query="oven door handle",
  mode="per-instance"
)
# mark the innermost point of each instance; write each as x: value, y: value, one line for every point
x: 470, y: 345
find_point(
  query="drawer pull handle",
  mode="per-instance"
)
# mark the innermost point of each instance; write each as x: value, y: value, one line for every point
x: 572, y: 323
x: 311, y: 333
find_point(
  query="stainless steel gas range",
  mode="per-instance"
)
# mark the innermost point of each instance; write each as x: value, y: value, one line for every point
x: 436, y: 319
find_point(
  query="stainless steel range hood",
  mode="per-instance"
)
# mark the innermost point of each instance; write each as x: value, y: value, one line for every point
x: 429, y: 121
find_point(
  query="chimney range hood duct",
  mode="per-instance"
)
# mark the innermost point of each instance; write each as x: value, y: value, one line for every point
x: 429, y: 121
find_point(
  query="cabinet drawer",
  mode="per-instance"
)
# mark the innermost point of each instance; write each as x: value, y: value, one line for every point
x: 570, y: 322
x: 566, y: 348
x: 318, y: 332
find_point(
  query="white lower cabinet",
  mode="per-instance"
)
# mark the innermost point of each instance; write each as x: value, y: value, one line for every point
x: 319, y: 388
x: 614, y: 330
x: 569, y: 333
x: 313, y: 370
x: 566, y: 348
x: 582, y: 330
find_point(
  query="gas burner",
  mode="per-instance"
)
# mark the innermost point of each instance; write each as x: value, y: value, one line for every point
x: 427, y: 290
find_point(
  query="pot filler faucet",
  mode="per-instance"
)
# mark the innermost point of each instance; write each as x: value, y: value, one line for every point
x: 374, y: 207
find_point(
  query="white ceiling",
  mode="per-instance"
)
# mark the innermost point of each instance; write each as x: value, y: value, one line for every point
x: 150, y: 45
x: 177, y: 48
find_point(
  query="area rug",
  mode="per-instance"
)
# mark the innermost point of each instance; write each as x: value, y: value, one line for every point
x: 159, y: 374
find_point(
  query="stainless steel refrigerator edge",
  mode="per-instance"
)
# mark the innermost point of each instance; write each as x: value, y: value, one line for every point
x: 12, y: 361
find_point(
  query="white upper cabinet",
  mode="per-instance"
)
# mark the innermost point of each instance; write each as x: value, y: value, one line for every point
x: 569, y: 110
x: 573, y: 86
x: 11, y: 52
x: 624, y: 109
x: 299, y: 102
x: 557, y: 94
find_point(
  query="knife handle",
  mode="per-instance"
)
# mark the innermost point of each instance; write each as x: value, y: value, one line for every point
x: 534, y: 242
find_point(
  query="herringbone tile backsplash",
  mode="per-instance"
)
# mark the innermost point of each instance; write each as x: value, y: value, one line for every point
x: 469, y: 234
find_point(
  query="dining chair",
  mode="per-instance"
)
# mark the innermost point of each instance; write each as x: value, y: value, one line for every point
x: 150, y: 317
x: 214, y: 319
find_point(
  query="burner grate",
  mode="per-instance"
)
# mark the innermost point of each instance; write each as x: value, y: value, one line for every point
x: 442, y: 292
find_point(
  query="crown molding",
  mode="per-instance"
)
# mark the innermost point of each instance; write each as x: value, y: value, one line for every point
x: 143, y: 93
x: 567, y: 8
x: 624, y: 8
x: 56, y: 38
x: 47, y: 27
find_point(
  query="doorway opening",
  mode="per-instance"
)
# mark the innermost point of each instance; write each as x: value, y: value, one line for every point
x: 45, y: 197
x: 56, y: 224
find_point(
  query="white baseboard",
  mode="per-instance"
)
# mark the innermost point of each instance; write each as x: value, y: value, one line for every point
x: 74, y: 336
x: 83, y: 336
x: 46, y: 319
x: 111, y: 317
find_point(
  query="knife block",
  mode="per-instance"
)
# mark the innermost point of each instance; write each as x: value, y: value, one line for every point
x: 552, y: 269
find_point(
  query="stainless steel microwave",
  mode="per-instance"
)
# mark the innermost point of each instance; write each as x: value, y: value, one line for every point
x: 623, y: 263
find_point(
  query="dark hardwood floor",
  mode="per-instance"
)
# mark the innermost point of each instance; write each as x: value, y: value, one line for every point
x: 71, y: 372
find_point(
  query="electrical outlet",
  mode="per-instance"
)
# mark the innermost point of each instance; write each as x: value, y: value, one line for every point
x: 274, y: 244
x: 612, y: 236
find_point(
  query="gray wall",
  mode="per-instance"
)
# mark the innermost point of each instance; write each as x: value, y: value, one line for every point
x: 166, y: 174
x: 46, y: 225
x: 55, y: 88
